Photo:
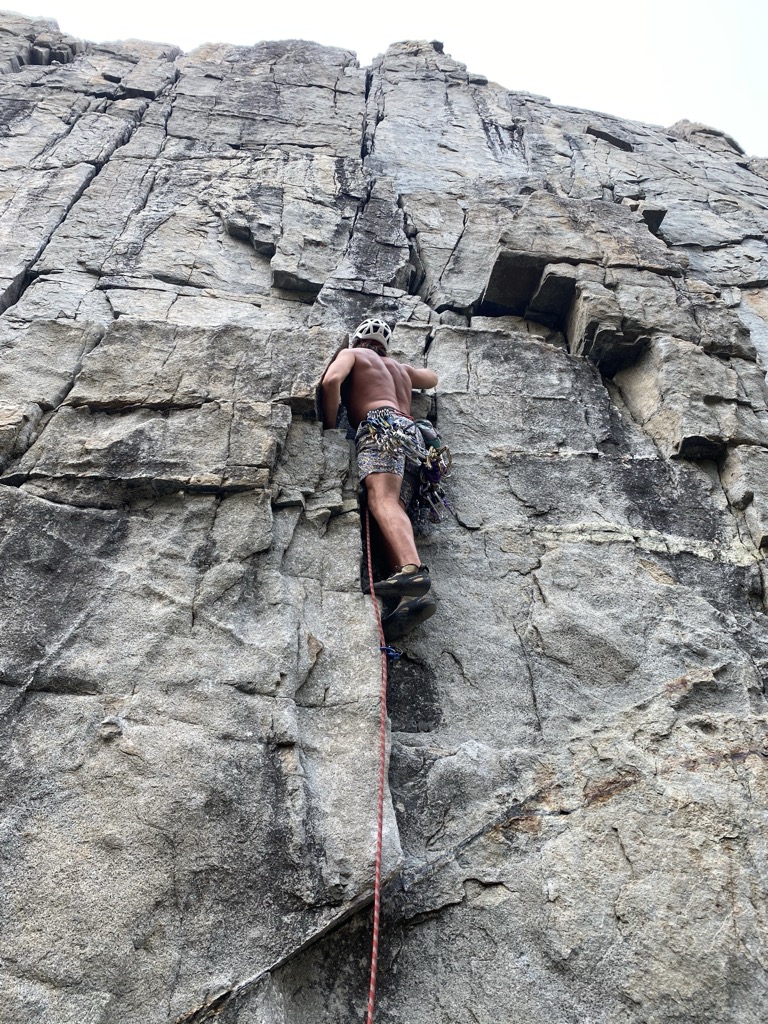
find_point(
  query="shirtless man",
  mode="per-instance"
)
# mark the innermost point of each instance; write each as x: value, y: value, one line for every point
x: 377, y: 394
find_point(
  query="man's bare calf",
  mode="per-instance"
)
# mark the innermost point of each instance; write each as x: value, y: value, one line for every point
x: 387, y: 509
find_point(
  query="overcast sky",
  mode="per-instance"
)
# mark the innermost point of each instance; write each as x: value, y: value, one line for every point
x: 657, y: 61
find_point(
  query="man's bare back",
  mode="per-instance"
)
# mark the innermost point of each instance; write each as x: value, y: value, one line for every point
x: 375, y: 382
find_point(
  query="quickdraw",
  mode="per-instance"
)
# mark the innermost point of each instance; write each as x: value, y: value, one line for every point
x: 431, y: 502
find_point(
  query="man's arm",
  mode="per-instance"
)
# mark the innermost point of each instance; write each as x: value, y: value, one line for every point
x: 330, y: 385
x: 421, y: 377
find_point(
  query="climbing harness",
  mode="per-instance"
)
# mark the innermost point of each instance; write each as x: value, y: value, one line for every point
x: 382, y: 769
x: 390, y: 437
x: 426, y: 457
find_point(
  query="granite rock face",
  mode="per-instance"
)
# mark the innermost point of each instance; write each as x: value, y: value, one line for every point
x: 189, y: 672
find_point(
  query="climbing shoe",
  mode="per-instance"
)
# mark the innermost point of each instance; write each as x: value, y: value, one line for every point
x: 407, y: 615
x: 408, y: 581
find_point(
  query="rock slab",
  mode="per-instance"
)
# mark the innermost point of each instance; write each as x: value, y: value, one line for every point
x: 189, y: 673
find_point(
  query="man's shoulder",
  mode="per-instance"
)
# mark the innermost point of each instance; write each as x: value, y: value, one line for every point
x: 345, y: 355
x: 367, y: 357
x: 395, y: 362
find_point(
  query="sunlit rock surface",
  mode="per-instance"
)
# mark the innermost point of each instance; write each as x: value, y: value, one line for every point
x: 189, y: 673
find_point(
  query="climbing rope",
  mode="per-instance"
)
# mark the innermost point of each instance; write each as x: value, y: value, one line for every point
x: 382, y: 765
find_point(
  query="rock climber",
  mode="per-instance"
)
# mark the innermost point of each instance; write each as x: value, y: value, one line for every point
x: 390, y: 450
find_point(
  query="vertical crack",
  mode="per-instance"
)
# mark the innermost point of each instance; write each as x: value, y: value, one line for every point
x: 374, y: 104
x: 465, y: 219
x: 531, y: 682
x: 418, y: 274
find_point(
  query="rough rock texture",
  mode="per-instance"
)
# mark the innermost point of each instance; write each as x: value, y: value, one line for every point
x: 188, y: 670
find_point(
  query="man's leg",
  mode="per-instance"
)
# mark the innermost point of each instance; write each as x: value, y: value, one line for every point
x: 410, y: 585
x: 386, y: 508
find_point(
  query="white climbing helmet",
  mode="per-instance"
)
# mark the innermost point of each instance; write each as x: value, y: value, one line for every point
x: 372, y: 330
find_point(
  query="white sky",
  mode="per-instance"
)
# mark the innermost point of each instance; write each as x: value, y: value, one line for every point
x: 655, y: 61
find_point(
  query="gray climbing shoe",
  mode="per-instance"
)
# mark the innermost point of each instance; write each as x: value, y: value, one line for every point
x: 410, y: 612
x: 408, y: 581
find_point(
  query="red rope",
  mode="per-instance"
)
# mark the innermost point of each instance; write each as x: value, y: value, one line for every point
x: 380, y: 803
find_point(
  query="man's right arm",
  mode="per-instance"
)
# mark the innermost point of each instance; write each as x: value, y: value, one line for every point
x: 421, y: 377
x: 330, y: 385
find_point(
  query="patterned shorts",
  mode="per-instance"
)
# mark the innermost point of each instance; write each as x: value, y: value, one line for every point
x: 388, y: 442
